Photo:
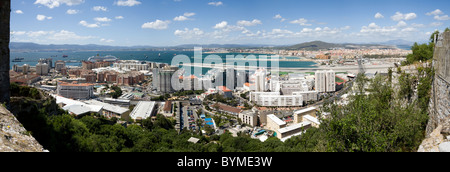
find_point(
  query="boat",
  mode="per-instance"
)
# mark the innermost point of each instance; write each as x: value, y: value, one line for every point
x: 65, y: 56
x: 108, y: 58
x: 18, y: 59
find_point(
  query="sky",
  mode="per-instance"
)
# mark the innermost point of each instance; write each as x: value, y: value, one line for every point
x: 271, y: 22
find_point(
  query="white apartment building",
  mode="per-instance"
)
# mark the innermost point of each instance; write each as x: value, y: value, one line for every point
x: 308, y: 95
x: 249, y: 117
x: 325, y: 81
x: 42, y: 69
x: 274, y: 99
x: 75, y: 91
x: 131, y: 65
x: 259, y: 78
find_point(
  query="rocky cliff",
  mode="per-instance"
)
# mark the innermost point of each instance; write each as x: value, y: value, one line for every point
x: 14, y: 137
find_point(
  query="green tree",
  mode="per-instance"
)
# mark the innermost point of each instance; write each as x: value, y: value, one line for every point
x: 117, y: 92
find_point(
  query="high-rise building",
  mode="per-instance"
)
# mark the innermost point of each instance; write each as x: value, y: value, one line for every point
x: 331, y: 81
x: 325, y: 81
x: 260, y: 80
x: 49, y: 62
x: 231, y: 81
x: 59, y: 65
x: 42, y: 69
x: 165, y: 79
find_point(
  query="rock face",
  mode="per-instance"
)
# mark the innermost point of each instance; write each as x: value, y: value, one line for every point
x: 14, y: 137
x: 438, y: 127
x: 438, y: 140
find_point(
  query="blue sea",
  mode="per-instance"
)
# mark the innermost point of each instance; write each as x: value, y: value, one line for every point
x: 31, y: 58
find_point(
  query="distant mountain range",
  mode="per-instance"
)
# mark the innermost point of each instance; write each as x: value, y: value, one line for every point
x: 314, y: 45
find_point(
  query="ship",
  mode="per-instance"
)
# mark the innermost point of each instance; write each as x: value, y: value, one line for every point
x: 18, y: 59
x: 65, y: 56
x: 108, y: 58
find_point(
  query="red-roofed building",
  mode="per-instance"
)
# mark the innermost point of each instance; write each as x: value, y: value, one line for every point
x: 223, y: 90
x: 227, y: 109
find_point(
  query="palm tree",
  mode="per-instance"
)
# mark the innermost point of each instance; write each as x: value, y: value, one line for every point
x: 5, y: 12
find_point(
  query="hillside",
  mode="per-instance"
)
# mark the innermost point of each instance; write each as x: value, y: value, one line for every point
x: 320, y: 45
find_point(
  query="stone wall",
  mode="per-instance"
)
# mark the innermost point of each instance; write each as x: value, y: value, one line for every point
x: 14, y: 137
x: 438, y: 127
x: 440, y: 93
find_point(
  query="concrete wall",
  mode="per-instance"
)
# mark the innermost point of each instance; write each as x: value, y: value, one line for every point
x: 440, y: 93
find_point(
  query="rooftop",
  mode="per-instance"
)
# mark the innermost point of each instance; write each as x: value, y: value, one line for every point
x: 228, y: 108
x: 224, y: 88
x: 108, y: 107
x: 275, y: 119
x: 167, y: 106
x: 143, y: 110
x: 305, y: 110
x: 293, y: 127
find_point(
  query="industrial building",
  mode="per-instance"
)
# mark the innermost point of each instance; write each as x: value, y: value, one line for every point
x: 143, y: 110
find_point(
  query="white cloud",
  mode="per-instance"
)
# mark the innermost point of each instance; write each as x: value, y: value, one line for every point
x: 278, y: 16
x: 184, y: 17
x: 86, y: 24
x: 444, y: 17
x: 374, y: 28
x: 17, y: 33
x: 219, y: 3
x: 18, y: 12
x: 379, y: 16
x: 71, y: 11
x: 435, y: 12
x: 189, y: 14
x: 102, y: 19
x: 399, y: 16
x: 180, y: 18
x: 301, y: 22
x: 41, y: 17
x: 119, y: 17
x: 67, y: 35
x: 38, y: 33
x: 409, y: 29
x: 401, y: 24
x: 56, y: 3
x: 221, y: 25
x: 158, y: 24
x: 249, y: 23
x: 100, y: 8
x: 106, y: 40
x: 436, y: 24
x: 56, y: 37
x: 189, y: 34
x: 128, y: 3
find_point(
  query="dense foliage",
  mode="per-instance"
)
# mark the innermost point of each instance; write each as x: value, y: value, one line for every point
x: 24, y: 91
x: 116, y: 93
